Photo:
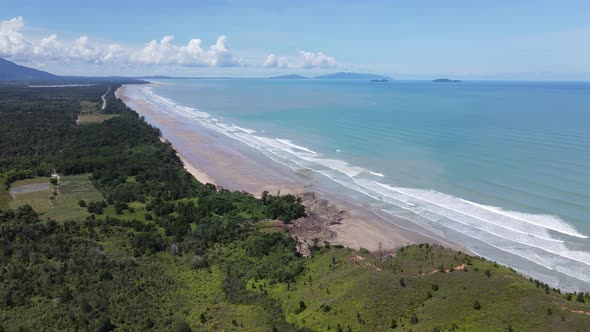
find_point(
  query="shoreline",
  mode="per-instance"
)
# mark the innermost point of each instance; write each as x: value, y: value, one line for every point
x: 229, y: 166
x: 196, y: 172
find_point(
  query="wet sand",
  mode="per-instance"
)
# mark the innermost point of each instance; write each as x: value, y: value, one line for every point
x: 211, y: 157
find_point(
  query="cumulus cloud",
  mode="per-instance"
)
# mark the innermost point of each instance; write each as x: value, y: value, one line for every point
x: 12, y: 42
x: 48, y: 47
x: 275, y: 61
x: 14, y: 45
x: 113, y: 52
x: 302, y: 60
x: 317, y: 60
x: 165, y: 52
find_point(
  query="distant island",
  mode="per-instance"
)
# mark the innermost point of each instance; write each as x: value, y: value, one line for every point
x: 380, y: 81
x: 352, y: 76
x: 289, y: 77
x: 445, y: 80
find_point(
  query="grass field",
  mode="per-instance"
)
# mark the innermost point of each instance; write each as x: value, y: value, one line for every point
x: 88, y: 107
x: 93, y: 118
x: 61, y: 207
x: 90, y: 113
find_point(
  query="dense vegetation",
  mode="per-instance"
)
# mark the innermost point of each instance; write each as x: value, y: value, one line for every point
x: 165, y: 252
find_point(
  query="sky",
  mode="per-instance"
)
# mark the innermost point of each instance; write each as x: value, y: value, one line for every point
x: 512, y: 40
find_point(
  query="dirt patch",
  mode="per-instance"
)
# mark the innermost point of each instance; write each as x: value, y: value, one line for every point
x: 576, y: 311
x: 316, y: 226
x: 360, y: 261
x: 458, y: 267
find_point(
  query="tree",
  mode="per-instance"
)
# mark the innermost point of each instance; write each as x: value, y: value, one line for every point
x: 302, y: 307
x: 414, y: 319
x: 105, y: 325
x: 476, y: 305
x: 181, y: 326
x: 393, y: 324
x: 264, y: 197
x: 82, y: 203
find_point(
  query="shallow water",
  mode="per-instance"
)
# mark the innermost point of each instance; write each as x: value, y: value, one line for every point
x: 501, y: 167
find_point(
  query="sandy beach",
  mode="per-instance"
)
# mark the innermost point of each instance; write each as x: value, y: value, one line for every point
x: 211, y: 157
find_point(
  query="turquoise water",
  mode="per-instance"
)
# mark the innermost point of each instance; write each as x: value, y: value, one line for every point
x: 501, y: 167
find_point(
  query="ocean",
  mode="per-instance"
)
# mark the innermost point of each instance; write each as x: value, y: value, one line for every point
x: 502, y: 168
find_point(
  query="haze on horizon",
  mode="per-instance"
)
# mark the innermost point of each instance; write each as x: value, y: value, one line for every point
x: 527, y: 40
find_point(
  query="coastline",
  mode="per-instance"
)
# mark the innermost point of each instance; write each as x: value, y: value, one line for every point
x: 197, y: 173
x: 212, y: 158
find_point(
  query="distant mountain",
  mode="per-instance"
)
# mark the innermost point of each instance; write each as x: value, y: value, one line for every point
x: 156, y: 77
x: 352, y: 76
x: 10, y: 71
x: 445, y: 80
x: 163, y: 77
x: 289, y: 77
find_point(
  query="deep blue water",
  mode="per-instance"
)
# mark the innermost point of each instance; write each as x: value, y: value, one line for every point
x: 501, y: 167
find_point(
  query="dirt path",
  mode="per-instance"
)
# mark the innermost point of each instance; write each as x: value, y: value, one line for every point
x: 458, y: 267
x: 576, y: 311
x: 104, y: 100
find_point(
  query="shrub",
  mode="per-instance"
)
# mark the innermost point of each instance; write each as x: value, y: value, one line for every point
x: 476, y: 305
x: 181, y: 326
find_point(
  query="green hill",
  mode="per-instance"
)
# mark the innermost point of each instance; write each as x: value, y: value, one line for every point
x: 10, y: 71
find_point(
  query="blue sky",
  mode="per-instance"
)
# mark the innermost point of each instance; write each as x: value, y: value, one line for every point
x: 539, y: 40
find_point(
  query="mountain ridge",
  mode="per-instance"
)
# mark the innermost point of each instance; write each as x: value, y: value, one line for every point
x: 10, y: 71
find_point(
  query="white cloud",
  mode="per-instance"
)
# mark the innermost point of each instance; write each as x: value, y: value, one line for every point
x: 12, y: 42
x: 50, y: 49
x: 14, y: 45
x: 113, y: 53
x: 82, y: 50
x: 317, y: 60
x: 275, y: 61
x: 193, y: 54
x: 303, y: 60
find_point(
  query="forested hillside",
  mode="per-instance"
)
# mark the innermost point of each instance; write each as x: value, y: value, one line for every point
x: 157, y: 250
